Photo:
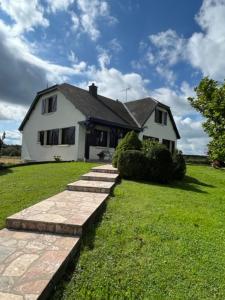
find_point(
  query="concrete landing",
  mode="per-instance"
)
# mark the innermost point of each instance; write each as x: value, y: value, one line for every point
x: 31, y: 262
x: 105, y: 169
x: 91, y: 186
x: 64, y: 213
x: 99, y: 176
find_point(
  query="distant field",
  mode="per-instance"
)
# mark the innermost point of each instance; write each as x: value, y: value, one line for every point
x: 10, y: 159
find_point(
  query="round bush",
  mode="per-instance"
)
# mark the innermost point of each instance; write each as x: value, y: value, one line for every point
x: 132, y: 164
x: 160, y: 163
x: 179, y: 166
x: 129, y: 142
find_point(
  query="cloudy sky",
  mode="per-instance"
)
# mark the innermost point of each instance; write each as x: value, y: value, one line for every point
x: 157, y: 48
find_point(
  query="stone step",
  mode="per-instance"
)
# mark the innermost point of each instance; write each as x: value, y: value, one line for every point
x: 91, y: 186
x: 65, y: 213
x: 98, y: 176
x: 32, y: 263
x: 105, y: 169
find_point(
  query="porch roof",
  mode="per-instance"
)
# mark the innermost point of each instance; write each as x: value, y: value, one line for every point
x: 108, y: 123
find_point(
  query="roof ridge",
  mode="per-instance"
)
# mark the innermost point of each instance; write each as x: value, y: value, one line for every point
x: 132, y: 116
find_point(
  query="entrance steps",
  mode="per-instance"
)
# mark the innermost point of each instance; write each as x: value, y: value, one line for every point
x: 91, y: 186
x: 105, y: 169
x: 65, y: 213
x: 39, y: 241
x: 99, y: 176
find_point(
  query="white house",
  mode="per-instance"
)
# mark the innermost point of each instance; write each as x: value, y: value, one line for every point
x: 76, y: 124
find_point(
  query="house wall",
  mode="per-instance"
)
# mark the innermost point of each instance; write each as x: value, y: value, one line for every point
x: 160, y: 131
x: 65, y: 116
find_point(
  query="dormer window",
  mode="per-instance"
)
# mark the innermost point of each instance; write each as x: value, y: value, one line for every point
x: 49, y: 104
x: 160, y: 116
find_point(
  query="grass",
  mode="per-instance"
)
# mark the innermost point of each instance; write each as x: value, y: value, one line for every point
x: 21, y: 187
x: 156, y: 242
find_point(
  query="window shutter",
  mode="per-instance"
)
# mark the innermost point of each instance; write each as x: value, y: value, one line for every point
x: 165, y: 118
x: 54, y: 103
x: 41, y: 135
x: 156, y: 116
x: 71, y: 136
x: 44, y: 106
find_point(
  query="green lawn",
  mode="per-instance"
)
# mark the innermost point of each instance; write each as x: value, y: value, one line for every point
x: 156, y: 242
x: 21, y: 187
x: 153, y: 242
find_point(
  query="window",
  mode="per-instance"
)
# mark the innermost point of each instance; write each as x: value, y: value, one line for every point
x: 101, y: 137
x: 68, y: 136
x: 53, y: 137
x: 166, y: 143
x: 161, y: 116
x: 98, y: 138
x: 40, y: 139
x: 151, y: 138
x: 49, y: 105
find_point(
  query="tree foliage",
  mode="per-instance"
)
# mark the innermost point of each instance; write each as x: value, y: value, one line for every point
x: 210, y: 102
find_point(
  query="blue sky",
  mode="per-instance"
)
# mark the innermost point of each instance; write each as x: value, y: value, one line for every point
x: 157, y: 48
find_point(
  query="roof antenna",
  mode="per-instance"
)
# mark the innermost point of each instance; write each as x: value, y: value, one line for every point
x: 126, y: 90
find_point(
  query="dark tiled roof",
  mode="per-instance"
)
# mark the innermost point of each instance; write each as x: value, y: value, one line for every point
x: 99, y: 108
x: 142, y: 109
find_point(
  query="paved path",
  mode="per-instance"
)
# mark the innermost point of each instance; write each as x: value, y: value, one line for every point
x: 39, y: 241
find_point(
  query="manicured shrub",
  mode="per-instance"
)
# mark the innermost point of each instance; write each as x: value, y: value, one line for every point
x: 160, y: 163
x: 179, y: 166
x: 147, y: 145
x: 129, y: 142
x: 132, y: 164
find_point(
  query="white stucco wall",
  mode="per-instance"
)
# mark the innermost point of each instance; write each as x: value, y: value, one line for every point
x: 160, y: 131
x: 65, y: 116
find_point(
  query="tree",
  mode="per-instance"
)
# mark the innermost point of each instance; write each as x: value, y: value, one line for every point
x: 210, y: 102
x: 2, y: 140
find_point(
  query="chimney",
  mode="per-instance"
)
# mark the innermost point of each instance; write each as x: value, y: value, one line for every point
x: 93, y: 90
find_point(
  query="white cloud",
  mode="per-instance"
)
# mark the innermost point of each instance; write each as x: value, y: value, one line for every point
x: 115, y: 46
x: 25, y: 14
x: 58, y: 5
x: 90, y: 13
x: 193, y: 139
x: 75, y: 21
x: 169, y: 47
x: 175, y: 98
x: 12, y: 111
x: 12, y: 137
x: 112, y: 82
x: 206, y: 49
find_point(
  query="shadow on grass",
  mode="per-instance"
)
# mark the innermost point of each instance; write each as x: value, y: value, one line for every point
x: 87, y: 242
x: 187, y: 184
x: 190, y: 184
x: 5, y: 171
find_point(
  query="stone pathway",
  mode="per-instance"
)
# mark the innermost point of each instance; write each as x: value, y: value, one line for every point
x: 39, y: 241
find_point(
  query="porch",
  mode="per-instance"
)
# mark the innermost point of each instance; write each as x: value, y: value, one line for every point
x: 101, y: 139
